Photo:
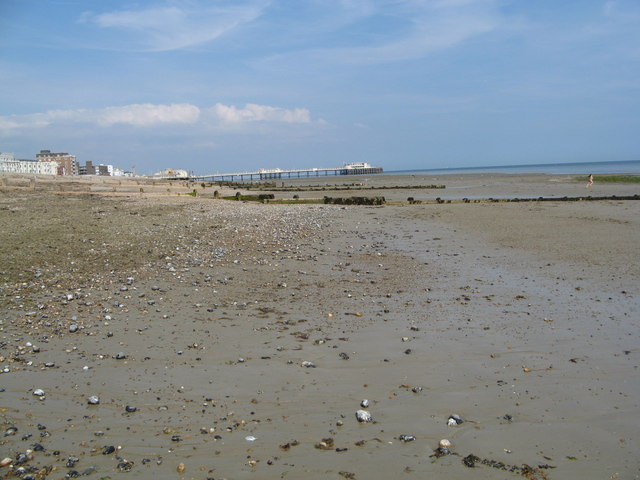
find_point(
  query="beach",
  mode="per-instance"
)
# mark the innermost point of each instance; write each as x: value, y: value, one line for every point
x: 149, y: 333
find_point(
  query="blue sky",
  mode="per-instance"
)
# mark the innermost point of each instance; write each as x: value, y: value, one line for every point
x: 237, y: 85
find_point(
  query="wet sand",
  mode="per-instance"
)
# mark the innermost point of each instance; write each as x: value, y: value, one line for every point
x: 522, y: 318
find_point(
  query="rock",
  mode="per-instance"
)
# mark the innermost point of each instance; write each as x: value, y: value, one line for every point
x: 308, y: 364
x: 325, y: 444
x: 363, y: 416
x: 108, y: 450
x: 364, y: 403
x: 454, y: 420
x: 444, y: 443
x: 38, y: 392
x: 93, y: 400
x: 125, y: 466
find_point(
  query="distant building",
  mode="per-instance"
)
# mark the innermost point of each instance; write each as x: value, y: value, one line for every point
x: 9, y: 164
x: 67, y: 163
x: 172, y: 173
x: 90, y: 169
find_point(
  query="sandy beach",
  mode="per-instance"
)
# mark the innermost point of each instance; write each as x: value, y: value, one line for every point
x: 146, y: 333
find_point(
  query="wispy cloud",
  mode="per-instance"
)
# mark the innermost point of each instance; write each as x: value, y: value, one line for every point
x: 140, y: 115
x: 180, y: 24
x: 426, y: 36
x: 260, y: 113
x: 149, y: 115
x: 413, y: 29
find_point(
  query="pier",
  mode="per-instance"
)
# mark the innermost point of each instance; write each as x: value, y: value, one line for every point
x: 277, y: 174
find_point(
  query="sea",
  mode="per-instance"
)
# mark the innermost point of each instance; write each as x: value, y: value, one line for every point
x: 577, y: 168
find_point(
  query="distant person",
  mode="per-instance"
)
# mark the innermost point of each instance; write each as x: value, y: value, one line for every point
x: 590, y: 184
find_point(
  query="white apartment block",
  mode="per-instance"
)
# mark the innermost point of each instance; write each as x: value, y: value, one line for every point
x: 8, y: 164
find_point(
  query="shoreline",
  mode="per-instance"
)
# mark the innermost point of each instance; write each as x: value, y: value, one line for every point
x: 519, y: 317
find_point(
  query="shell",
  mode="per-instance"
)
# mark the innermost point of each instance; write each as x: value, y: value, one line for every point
x: 454, y: 420
x: 444, y: 443
x: 363, y: 416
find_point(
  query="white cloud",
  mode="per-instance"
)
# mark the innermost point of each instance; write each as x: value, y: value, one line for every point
x: 435, y: 26
x: 413, y: 29
x: 147, y: 114
x: 426, y: 36
x: 150, y: 115
x: 181, y: 25
x: 141, y: 115
x: 260, y: 113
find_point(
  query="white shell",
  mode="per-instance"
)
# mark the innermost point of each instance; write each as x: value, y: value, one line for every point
x: 363, y: 416
x: 444, y: 443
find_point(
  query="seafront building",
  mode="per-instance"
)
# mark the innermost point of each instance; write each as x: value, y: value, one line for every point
x: 68, y: 165
x: 103, y: 170
x: 9, y: 164
x: 49, y: 163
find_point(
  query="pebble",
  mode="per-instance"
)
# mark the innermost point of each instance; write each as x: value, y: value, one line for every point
x: 108, y: 450
x: 364, y: 403
x: 444, y: 443
x: 308, y: 364
x: 38, y: 392
x: 454, y: 420
x: 93, y: 400
x: 363, y: 416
